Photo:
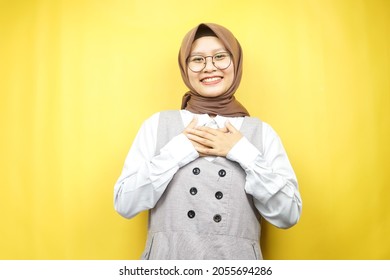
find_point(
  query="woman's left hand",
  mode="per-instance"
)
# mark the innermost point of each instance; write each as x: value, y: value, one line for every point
x: 214, y: 142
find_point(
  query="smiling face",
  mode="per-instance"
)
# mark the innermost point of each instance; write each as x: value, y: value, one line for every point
x: 211, y: 81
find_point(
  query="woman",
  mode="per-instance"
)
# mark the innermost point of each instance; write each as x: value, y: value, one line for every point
x: 208, y: 172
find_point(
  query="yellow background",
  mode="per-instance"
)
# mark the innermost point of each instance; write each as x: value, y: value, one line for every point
x: 77, y: 79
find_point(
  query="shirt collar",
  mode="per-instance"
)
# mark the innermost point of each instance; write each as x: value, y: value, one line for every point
x: 206, y: 120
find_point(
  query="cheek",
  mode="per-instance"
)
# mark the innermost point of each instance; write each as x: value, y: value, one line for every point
x: 192, y: 78
x: 230, y: 78
x: 229, y: 75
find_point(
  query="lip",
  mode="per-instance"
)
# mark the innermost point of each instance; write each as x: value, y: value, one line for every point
x: 211, y: 80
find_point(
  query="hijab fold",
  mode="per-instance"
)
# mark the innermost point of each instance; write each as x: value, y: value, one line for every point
x: 225, y: 104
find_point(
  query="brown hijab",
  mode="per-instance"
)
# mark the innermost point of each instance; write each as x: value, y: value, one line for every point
x: 225, y: 104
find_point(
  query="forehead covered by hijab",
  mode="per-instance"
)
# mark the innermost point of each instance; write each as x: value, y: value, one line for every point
x: 203, y: 31
x: 226, y: 37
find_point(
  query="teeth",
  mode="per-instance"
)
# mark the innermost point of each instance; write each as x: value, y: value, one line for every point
x: 207, y: 80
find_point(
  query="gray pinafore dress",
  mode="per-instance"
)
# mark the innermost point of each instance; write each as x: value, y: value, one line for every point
x: 204, y: 212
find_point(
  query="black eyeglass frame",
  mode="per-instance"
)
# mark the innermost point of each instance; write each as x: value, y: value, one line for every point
x: 212, y: 60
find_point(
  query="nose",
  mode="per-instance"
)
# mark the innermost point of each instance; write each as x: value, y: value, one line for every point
x: 209, y: 65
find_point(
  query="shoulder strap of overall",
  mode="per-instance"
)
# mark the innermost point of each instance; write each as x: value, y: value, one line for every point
x: 252, y: 129
x: 170, y: 125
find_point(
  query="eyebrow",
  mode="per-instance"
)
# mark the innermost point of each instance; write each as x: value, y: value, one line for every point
x: 213, y: 51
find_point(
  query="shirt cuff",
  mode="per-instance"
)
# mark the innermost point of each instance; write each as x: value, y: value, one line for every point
x: 180, y: 150
x: 244, y: 152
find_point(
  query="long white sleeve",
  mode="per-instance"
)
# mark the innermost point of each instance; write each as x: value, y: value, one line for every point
x: 145, y: 176
x: 270, y: 179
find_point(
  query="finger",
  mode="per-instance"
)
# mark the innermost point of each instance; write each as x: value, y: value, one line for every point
x: 209, y: 130
x: 197, y: 145
x: 200, y: 149
x: 201, y: 132
x: 223, y: 129
x: 204, y: 151
x: 200, y: 140
x: 191, y: 125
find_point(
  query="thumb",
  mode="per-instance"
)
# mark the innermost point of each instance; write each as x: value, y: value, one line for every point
x: 230, y: 127
x: 193, y: 123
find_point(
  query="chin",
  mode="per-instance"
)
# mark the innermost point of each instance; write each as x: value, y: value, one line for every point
x: 204, y: 94
x: 211, y: 93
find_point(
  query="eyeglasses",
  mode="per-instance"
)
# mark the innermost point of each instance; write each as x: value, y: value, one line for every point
x: 220, y: 60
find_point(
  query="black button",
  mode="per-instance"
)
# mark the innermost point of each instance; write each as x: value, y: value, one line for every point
x: 217, y: 218
x: 218, y: 195
x: 193, y: 191
x: 196, y: 171
x: 191, y: 214
x: 222, y: 173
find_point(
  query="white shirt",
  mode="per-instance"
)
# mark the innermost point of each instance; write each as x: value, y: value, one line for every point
x: 270, y: 178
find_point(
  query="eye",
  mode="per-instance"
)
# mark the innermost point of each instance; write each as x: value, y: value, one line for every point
x: 196, y: 59
x: 221, y: 56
